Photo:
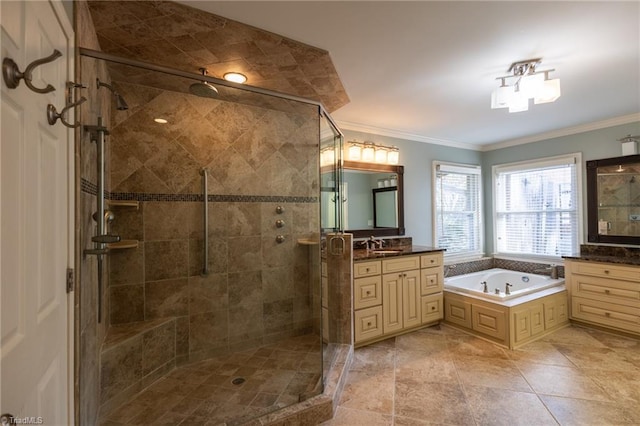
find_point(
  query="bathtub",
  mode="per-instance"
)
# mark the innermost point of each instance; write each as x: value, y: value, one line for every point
x: 522, y: 283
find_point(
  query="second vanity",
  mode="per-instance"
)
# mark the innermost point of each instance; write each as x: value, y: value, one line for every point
x: 396, y: 291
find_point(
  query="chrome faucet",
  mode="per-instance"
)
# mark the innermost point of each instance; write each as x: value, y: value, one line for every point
x: 507, y: 286
x: 484, y: 287
x: 372, y: 243
x: 551, y: 270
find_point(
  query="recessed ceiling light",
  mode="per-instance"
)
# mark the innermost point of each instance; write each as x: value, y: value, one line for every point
x: 160, y: 120
x: 235, y: 77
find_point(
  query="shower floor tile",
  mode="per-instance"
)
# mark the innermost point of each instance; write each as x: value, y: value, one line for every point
x: 228, y: 388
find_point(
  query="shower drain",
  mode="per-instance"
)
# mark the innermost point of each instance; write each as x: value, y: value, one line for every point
x: 238, y: 381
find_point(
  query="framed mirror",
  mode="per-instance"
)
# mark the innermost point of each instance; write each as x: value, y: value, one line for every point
x: 613, y: 200
x: 373, y: 199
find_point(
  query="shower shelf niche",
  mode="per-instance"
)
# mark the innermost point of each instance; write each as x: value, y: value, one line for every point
x: 133, y: 205
x: 123, y: 244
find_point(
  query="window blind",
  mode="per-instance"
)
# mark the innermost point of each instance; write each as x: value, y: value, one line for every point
x: 457, y: 209
x: 537, y: 207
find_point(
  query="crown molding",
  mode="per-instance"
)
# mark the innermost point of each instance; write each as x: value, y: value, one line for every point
x: 357, y: 127
x: 567, y: 131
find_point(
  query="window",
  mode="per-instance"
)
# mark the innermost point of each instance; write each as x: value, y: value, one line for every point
x: 537, y: 207
x: 457, y: 209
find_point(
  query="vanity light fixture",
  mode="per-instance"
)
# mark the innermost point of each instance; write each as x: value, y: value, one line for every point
x: 235, y: 77
x: 160, y: 120
x: 354, y: 152
x: 629, y: 144
x: 393, y: 156
x: 327, y: 156
x: 526, y: 83
x: 370, y: 152
x: 381, y: 154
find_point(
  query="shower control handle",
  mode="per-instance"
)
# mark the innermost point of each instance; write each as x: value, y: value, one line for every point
x: 280, y: 239
x: 279, y: 223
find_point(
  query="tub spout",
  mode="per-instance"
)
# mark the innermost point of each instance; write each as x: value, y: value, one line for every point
x: 551, y: 270
x: 484, y: 287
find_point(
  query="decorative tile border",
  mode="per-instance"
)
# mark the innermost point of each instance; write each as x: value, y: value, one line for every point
x: 91, y: 188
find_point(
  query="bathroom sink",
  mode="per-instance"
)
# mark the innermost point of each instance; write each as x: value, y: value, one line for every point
x: 387, y: 251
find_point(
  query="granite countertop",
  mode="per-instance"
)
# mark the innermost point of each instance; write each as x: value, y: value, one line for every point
x: 394, y: 251
x: 607, y: 254
x: 605, y: 259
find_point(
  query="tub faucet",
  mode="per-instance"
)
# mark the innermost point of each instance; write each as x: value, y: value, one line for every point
x: 507, y: 286
x: 484, y: 287
x: 552, y: 270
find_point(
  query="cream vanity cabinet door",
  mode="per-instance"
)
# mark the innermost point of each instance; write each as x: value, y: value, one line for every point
x: 368, y: 323
x: 401, y: 305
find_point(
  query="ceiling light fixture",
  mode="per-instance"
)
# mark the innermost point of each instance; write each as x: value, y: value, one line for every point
x: 235, y: 77
x: 526, y: 83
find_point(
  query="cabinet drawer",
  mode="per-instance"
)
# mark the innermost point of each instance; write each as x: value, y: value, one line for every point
x: 429, y: 260
x: 367, y: 292
x: 432, y: 308
x: 606, y: 270
x: 622, y: 317
x: 366, y: 269
x: 607, y: 290
x: 400, y: 263
x: 367, y: 323
x: 431, y: 281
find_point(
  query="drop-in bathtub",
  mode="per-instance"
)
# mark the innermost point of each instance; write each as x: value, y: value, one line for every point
x: 522, y: 283
x: 537, y: 305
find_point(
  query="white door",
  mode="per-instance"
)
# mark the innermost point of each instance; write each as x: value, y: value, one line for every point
x: 36, y: 200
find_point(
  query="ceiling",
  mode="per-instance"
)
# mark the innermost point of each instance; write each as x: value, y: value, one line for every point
x: 425, y: 70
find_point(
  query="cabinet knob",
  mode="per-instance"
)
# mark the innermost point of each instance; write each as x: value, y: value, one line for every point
x: 432, y: 260
x: 368, y: 324
x: 606, y: 271
x: 433, y: 308
x: 607, y: 314
x: 607, y: 291
x: 368, y: 293
x: 367, y: 270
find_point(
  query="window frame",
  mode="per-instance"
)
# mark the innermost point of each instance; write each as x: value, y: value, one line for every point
x: 469, y: 255
x: 539, y: 163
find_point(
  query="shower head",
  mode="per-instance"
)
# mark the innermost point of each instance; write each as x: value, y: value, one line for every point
x: 121, y: 104
x: 204, y: 88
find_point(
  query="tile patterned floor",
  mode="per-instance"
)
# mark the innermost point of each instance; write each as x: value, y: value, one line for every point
x: 440, y: 376
x: 202, y: 393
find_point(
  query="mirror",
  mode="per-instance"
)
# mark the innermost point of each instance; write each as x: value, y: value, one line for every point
x: 613, y: 200
x: 373, y: 199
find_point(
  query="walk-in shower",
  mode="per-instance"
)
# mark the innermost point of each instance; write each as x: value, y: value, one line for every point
x: 214, y: 318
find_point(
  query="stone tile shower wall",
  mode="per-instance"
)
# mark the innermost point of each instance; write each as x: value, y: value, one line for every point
x: 258, y: 158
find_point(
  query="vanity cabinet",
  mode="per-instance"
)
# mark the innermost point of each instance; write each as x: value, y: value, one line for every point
x: 605, y: 294
x: 394, y: 295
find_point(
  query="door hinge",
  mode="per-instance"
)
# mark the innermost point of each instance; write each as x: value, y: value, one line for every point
x: 70, y: 280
